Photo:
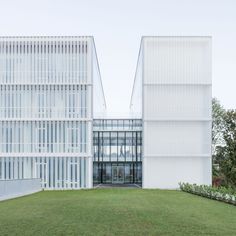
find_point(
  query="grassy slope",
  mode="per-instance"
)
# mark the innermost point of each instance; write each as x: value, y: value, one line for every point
x: 116, y: 212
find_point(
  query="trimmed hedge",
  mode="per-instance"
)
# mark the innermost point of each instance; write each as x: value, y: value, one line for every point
x: 223, y: 194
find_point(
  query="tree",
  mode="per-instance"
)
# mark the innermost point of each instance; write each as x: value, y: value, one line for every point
x: 218, y: 113
x: 226, y: 154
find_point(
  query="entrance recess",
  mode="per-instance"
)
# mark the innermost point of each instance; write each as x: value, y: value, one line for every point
x: 118, y: 174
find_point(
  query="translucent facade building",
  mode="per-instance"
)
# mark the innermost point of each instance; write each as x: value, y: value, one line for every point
x: 49, y: 89
x: 172, y: 92
x: 53, y: 127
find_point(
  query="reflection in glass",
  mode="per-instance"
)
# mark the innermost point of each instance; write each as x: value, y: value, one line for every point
x: 121, y: 146
x: 106, y: 174
x: 114, y: 146
x: 128, y: 173
x: 118, y: 151
x: 129, y: 149
x: 96, y: 176
x: 106, y: 146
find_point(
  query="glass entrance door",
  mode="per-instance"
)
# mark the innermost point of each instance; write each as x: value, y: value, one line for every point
x: 118, y: 174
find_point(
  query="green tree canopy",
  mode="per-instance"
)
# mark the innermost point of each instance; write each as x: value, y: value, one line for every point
x: 218, y: 113
x: 226, y: 154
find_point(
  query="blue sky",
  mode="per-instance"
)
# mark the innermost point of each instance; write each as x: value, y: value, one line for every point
x: 117, y: 27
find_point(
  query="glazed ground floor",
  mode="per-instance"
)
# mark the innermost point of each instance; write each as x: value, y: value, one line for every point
x: 70, y: 172
x: 117, y: 173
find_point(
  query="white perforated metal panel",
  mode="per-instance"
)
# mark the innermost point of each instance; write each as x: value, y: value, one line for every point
x: 46, y: 109
x: 176, y: 110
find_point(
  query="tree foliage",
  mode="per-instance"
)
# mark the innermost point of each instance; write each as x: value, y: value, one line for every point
x: 218, y: 113
x: 226, y: 154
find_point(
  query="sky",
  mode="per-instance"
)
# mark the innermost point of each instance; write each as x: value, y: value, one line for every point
x: 117, y: 27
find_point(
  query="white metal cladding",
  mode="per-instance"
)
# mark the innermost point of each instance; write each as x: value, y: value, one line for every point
x: 176, y: 110
x: 166, y: 172
x: 182, y: 102
x: 177, y: 60
x: 46, y: 110
x: 44, y: 101
x: 45, y: 60
x: 178, y: 138
x: 55, y: 172
x: 43, y: 137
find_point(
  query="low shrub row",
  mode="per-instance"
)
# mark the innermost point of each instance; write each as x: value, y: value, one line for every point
x: 223, y: 194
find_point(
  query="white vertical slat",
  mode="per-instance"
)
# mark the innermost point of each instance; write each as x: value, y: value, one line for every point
x: 42, y: 162
x: 3, y: 167
x: 63, y: 173
x: 11, y: 168
x: 82, y: 170
x: 56, y: 173
x: 52, y: 185
x: 7, y: 168
x: 69, y: 172
x: 34, y: 167
x: 20, y: 168
x: 60, y: 172
x: 15, y: 160
x: 48, y: 171
x: 73, y: 172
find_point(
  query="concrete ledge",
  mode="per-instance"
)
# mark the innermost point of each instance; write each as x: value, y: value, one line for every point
x: 18, y: 187
x: 8, y: 197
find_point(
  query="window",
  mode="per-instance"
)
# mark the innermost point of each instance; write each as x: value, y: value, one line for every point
x: 73, y: 139
x: 41, y: 168
x: 129, y: 146
x: 95, y: 145
x: 113, y: 146
x: 41, y: 102
x: 121, y: 146
x: 73, y: 105
x: 105, y: 146
x: 41, y: 138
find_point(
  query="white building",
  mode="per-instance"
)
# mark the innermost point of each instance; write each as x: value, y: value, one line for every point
x: 172, y: 90
x: 50, y: 89
x: 47, y: 87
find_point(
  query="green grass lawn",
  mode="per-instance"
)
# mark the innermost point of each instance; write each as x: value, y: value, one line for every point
x: 116, y: 212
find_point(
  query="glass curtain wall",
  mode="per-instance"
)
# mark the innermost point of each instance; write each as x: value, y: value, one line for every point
x: 117, y: 151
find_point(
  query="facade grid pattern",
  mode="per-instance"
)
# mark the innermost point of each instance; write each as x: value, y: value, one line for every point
x: 46, y: 86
